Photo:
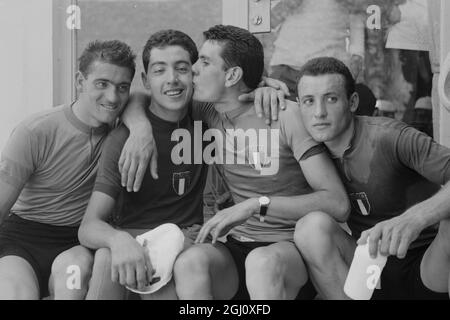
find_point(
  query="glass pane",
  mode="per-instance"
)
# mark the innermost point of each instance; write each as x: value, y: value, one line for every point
x: 387, y: 43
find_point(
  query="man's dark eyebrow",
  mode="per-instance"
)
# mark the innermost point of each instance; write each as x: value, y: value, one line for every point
x: 182, y: 61
x: 165, y: 63
x: 326, y: 94
x: 116, y: 84
x: 157, y: 62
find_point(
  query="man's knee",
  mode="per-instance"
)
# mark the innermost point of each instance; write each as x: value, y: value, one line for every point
x: 263, y: 262
x: 193, y: 261
x: 191, y: 274
x: 315, y: 236
x: 71, y: 271
x: 78, y: 258
x: 15, y: 289
x: 444, y: 235
x: 103, y: 257
x: 18, y: 280
x: 313, y: 226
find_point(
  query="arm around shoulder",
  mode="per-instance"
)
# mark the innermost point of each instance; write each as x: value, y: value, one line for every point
x: 140, y: 147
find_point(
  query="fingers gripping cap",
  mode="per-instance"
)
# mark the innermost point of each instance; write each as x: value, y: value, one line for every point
x: 164, y: 244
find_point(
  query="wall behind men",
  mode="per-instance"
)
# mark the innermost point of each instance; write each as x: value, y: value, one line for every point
x: 25, y: 61
x: 134, y: 21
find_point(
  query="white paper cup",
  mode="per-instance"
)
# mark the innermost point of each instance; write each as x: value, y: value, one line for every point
x: 364, y: 274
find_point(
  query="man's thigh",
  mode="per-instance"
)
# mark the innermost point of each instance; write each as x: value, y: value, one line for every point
x: 17, y: 279
x: 102, y: 287
x: 435, y: 265
x: 37, y: 243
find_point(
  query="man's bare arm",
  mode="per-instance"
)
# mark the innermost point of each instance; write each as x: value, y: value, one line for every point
x: 94, y: 231
x: 329, y: 196
x: 398, y: 233
x: 8, y: 196
x: 140, y: 147
x: 130, y: 262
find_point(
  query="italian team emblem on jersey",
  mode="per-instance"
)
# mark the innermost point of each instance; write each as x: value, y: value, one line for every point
x: 181, y: 181
x: 360, y: 203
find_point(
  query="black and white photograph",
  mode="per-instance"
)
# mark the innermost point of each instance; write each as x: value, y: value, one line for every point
x: 225, y: 150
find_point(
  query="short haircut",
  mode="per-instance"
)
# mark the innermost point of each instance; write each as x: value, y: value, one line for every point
x: 327, y: 65
x: 240, y: 48
x: 114, y: 52
x: 169, y: 37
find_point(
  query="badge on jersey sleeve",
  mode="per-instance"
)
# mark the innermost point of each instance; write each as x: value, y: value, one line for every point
x: 181, y: 181
x: 360, y: 203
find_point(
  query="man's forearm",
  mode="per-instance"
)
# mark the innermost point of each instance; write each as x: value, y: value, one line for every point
x: 98, y: 234
x: 296, y: 207
x: 8, y: 196
x: 134, y: 113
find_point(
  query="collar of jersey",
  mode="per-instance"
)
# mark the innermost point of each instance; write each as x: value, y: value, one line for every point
x: 154, y: 119
x: 356, y: 137
x: 233, y: 114
x: 77, y: 123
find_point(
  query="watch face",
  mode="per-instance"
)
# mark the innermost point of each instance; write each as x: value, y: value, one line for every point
x: 264, y: 201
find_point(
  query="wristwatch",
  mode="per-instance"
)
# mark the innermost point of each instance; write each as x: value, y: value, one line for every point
x: 263, y: 205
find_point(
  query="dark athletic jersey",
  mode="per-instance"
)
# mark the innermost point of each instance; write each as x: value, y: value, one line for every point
x: 388, y: 168
x: 176, y: 197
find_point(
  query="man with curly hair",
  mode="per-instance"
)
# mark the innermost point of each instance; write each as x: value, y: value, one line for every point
x: 258, y: 260
x: 47, y: 172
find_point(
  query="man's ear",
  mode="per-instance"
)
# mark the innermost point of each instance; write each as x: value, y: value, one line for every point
x: 354, y: 102
x: 79, y: 80
x: 145, y: 81
x: 233, y: 76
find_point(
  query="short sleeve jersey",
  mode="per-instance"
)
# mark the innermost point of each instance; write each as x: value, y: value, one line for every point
x: 52, y: 158
x: 177, y: 196
x: 259, y: 160
x: 388, y: 168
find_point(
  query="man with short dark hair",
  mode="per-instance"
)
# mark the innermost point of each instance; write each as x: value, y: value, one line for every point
x: 393, y: 175
x: 276, y: 175
x: 175, y: 197
x: 47, y: 172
